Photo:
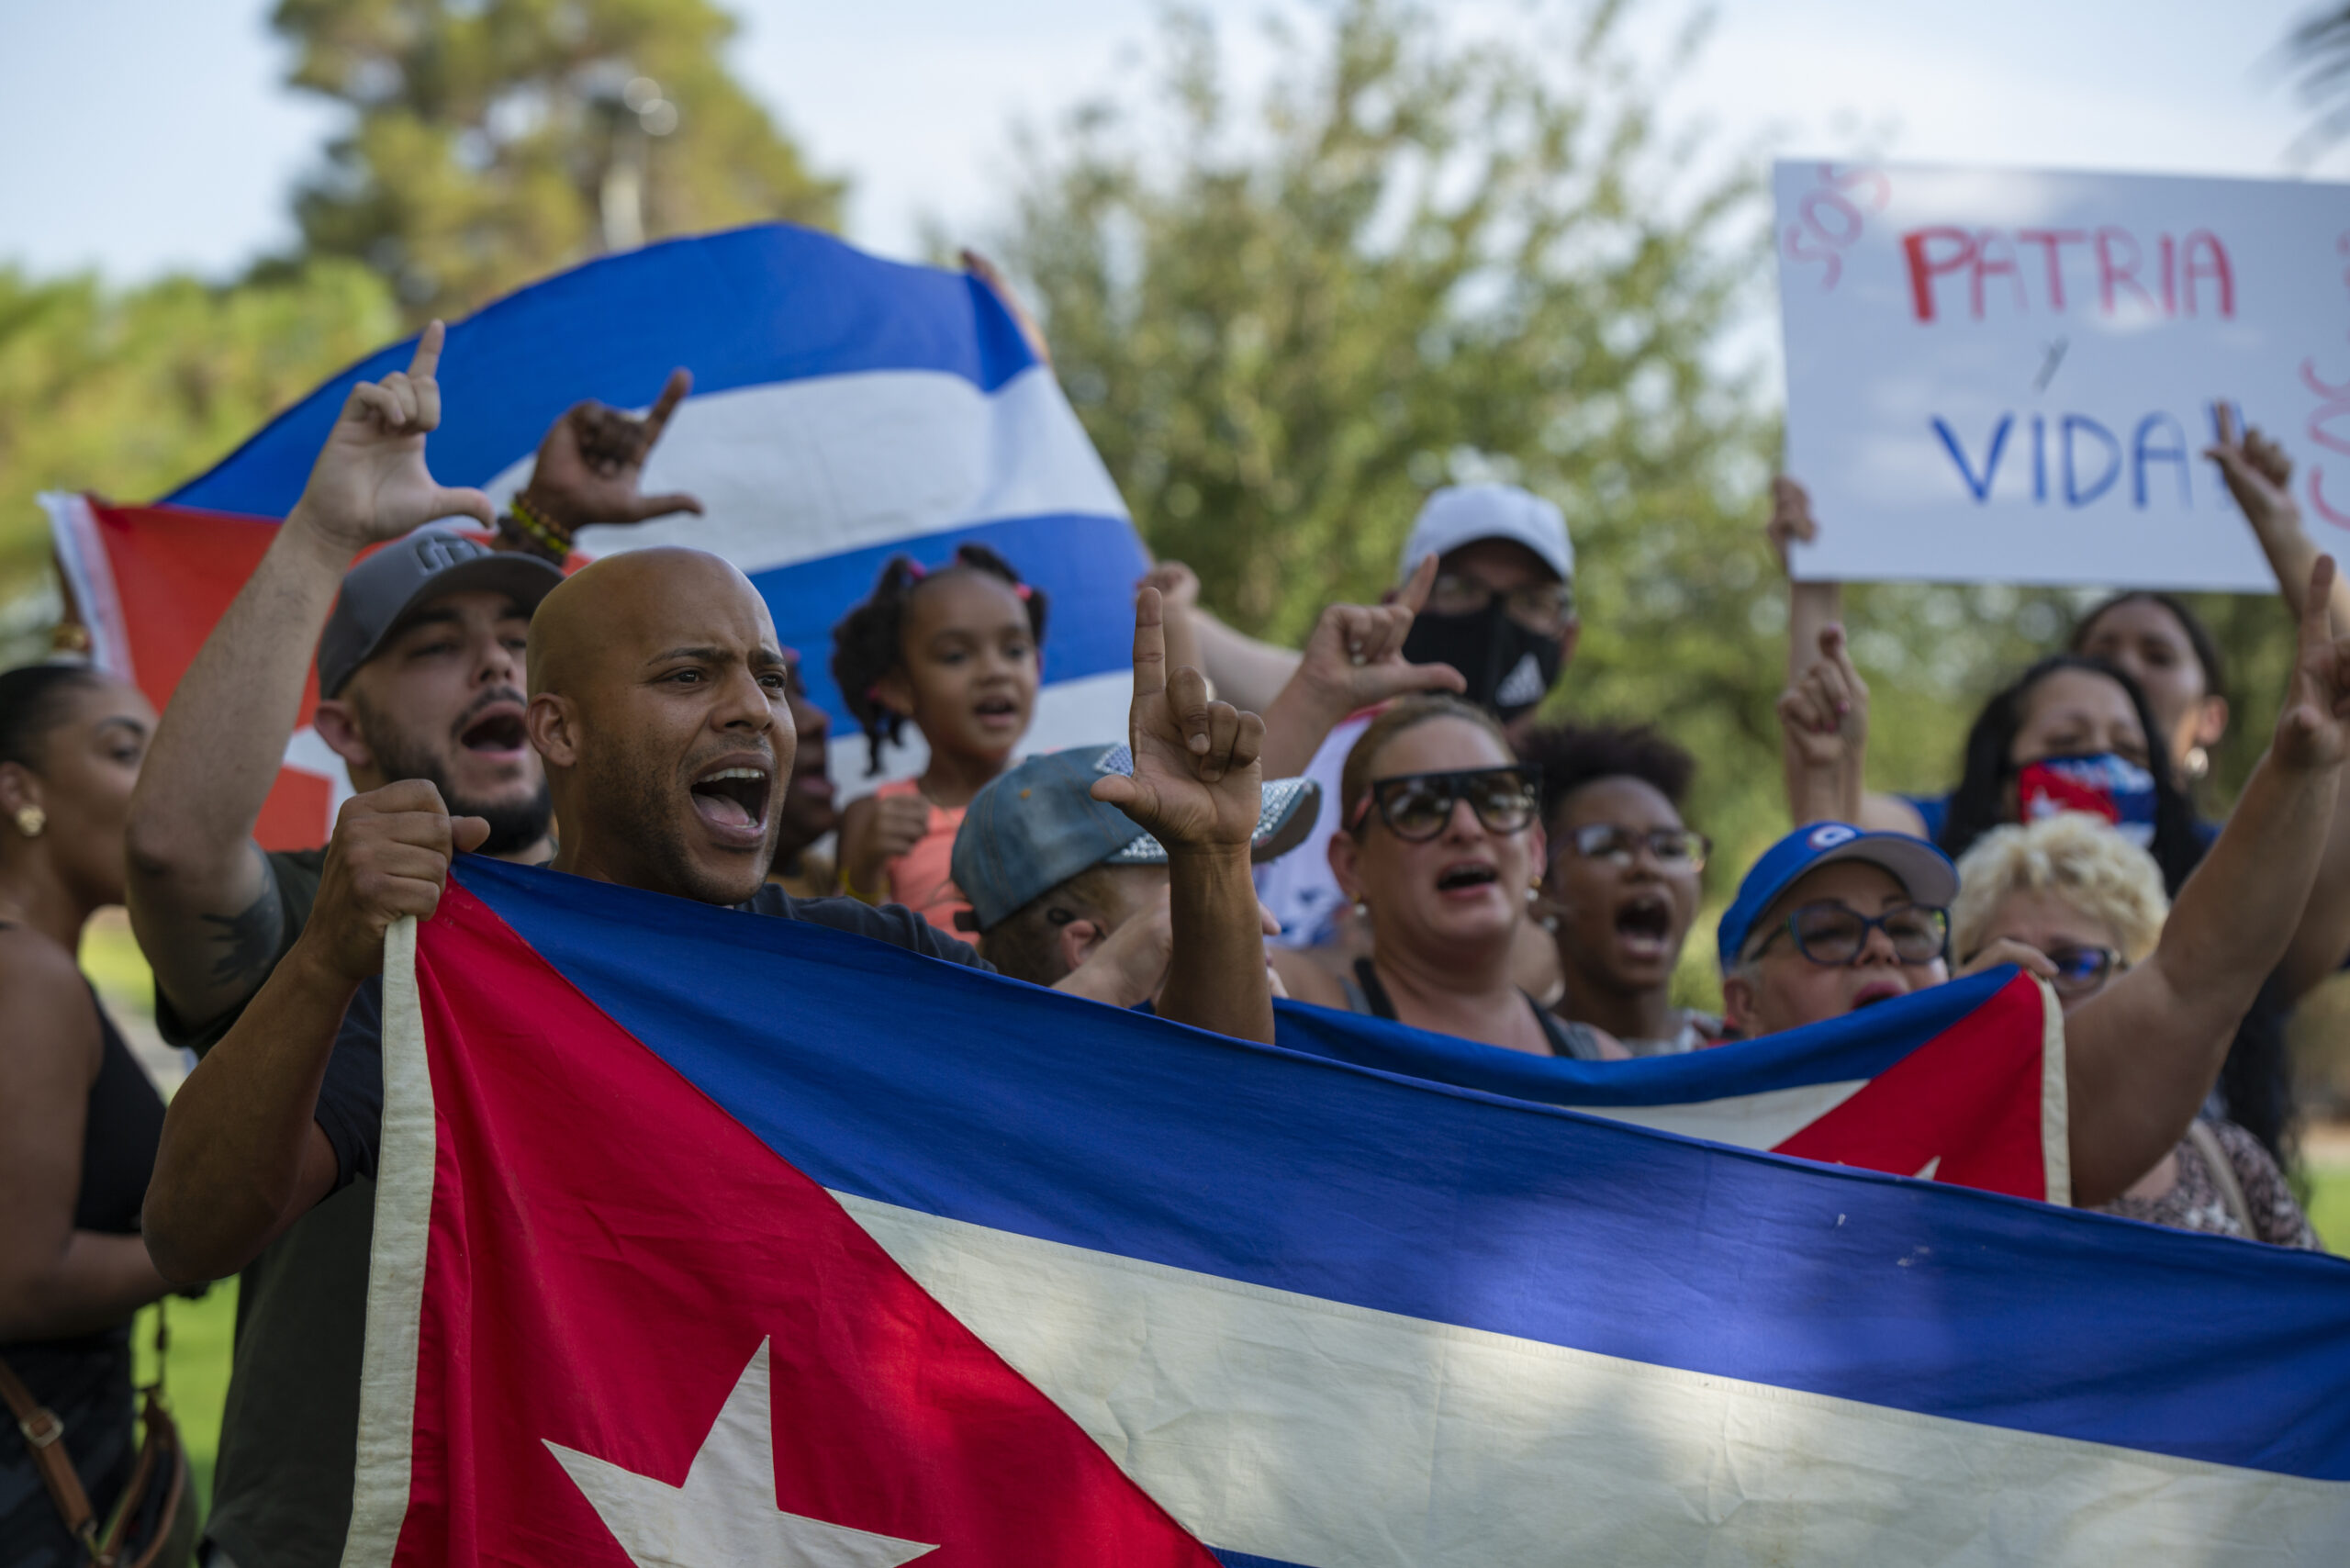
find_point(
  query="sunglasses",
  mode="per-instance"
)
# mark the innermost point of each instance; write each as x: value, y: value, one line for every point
x: 1833, y: 934
x: 1418, y: 806
x: 1679, y: 848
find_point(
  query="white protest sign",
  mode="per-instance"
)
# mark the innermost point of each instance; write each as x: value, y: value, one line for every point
x: 2006, y: 375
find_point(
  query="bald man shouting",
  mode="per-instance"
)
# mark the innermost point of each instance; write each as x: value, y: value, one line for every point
x: 657, y: 701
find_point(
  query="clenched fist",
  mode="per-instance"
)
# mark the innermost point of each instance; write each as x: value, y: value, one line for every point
x: 388, y: 859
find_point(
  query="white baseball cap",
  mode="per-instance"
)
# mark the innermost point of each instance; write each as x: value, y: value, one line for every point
x: 1463, y: 514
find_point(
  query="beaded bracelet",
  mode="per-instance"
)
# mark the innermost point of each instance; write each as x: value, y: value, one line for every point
x: 534, y: 533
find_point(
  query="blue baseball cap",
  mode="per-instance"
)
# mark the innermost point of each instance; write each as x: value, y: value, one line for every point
x: 1036, y: 826
x: 1924, y: 872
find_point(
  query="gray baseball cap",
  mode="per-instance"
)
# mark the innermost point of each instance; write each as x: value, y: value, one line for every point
x: 379, y: 593
x: 1033, y: 828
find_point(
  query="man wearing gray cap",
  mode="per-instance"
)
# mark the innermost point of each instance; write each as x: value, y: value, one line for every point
x: 1059, y: 881
x: 420, y: 675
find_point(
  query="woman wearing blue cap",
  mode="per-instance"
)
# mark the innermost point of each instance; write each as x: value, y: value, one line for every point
x: 1833, y: 918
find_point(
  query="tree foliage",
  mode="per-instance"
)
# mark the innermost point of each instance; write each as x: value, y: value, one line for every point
x: 129, y: 392
x: 485, y: 134
x: 1416, y: 258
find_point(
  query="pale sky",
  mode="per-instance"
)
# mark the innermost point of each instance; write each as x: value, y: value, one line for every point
x: 153, y: 134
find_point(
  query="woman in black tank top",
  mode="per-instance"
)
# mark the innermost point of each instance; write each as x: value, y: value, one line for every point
x: 79, y: 1120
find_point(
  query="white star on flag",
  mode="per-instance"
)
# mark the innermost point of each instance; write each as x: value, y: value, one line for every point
x: 726, y: 1513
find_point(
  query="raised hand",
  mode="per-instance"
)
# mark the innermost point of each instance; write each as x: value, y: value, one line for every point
x: 2258, y: 475
x: 370, y: 483
x: 2313, y: 729
x: 1791, y: 522
x: 388, y: 857
x: 979, y: 267
x: 1825, y: 714
x: 591, y: 463
x: 1196, y: 784
x: 875, y: 831
x: 1355, y: 655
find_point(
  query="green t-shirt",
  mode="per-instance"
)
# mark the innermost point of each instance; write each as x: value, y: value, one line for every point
x: 289, y: 1435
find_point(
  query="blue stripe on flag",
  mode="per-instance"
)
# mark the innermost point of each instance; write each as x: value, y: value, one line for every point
x: 1242, y: 1559
x: 1858, y: 1046
x: 764, y: 304
x: 1087, y: 565
x: 956, y: 1094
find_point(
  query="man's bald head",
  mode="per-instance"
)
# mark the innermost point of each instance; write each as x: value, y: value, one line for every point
x: 659, y: 701
x: 636, y: 600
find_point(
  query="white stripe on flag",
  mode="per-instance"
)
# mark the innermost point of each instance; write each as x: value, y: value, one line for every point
x: 794, y: 470
x: 1750, y: 1120
x: 1316, y: 1432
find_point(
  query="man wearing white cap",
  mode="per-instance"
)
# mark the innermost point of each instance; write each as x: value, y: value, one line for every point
x: 1500, y: 609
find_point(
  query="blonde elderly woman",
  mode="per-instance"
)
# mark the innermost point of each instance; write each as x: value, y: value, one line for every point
x: 2077, y: 904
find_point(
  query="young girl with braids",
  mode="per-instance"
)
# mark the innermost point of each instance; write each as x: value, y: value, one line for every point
x: 954, y: 652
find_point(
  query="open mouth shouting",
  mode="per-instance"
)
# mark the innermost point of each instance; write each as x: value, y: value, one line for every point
x: 495, y: 730
x: 732, y: 796
x: 1465, y: 880
x: 1644, y: 926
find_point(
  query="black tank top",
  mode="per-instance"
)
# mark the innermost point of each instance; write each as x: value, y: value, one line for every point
x: 87, y: 1378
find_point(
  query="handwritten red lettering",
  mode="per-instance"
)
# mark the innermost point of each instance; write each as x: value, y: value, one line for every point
x: 2208, y: 259
x: 1958, y: 250
x: 2052, y: 243
x: 2113, y: 274
x: 1995, y: 257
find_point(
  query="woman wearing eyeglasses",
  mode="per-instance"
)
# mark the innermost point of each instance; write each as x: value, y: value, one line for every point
x: 2080, y: 905
x: 1440, y: 850
x: 1622, y: 886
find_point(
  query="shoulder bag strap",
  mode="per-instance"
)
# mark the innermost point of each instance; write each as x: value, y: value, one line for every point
x: 42, y: 1431
x: 2223, y: 1172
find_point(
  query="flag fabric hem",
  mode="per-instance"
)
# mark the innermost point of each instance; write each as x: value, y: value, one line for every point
x: 2055, y: 1108
x: 404, y: 1183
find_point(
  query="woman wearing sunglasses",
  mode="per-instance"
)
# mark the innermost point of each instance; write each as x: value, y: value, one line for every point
x: 1622, y: 886
x: 1440, y: 850
x: 2074, y: 901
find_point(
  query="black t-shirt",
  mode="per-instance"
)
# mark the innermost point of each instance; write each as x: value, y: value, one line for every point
x: 351, y: 1099
x: 289, y: 1432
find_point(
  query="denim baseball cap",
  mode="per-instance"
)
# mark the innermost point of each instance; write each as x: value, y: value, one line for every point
x: 379, y: 593
x: 1924, y: 872
x: 1032, y: 829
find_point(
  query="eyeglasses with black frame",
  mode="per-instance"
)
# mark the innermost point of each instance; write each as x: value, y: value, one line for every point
x: 1834, y: 935
x: 2080, y: 970
x: 1678, y: 848
x: 1417, y: 807
x: 1544, y: 607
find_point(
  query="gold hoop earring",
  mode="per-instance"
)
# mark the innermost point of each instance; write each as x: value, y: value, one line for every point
x: 30, y: 820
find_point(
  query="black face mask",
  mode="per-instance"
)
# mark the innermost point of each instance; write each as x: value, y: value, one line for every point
x: 1509, y: 669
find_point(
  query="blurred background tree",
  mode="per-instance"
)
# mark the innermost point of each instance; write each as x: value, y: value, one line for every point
x: 1415, y: 258
x: 127, y: 392
x: 495, y: 142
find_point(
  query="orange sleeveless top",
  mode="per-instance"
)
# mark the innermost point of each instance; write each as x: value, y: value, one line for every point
x: 923, y: 879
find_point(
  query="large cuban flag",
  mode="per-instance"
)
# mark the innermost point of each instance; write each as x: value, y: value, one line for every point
x: 844, y: 409
x: 706, y: 1240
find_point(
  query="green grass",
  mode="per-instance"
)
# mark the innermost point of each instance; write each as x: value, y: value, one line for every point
x: 2330, y: 1206
x: 196, y: 1378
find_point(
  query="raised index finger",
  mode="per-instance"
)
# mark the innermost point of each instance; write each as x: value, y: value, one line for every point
x: 1151, y: 644
x: 428, y: 351
x: 2317, y: 625
x: 1415, y: 592
x: 673, y: 392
